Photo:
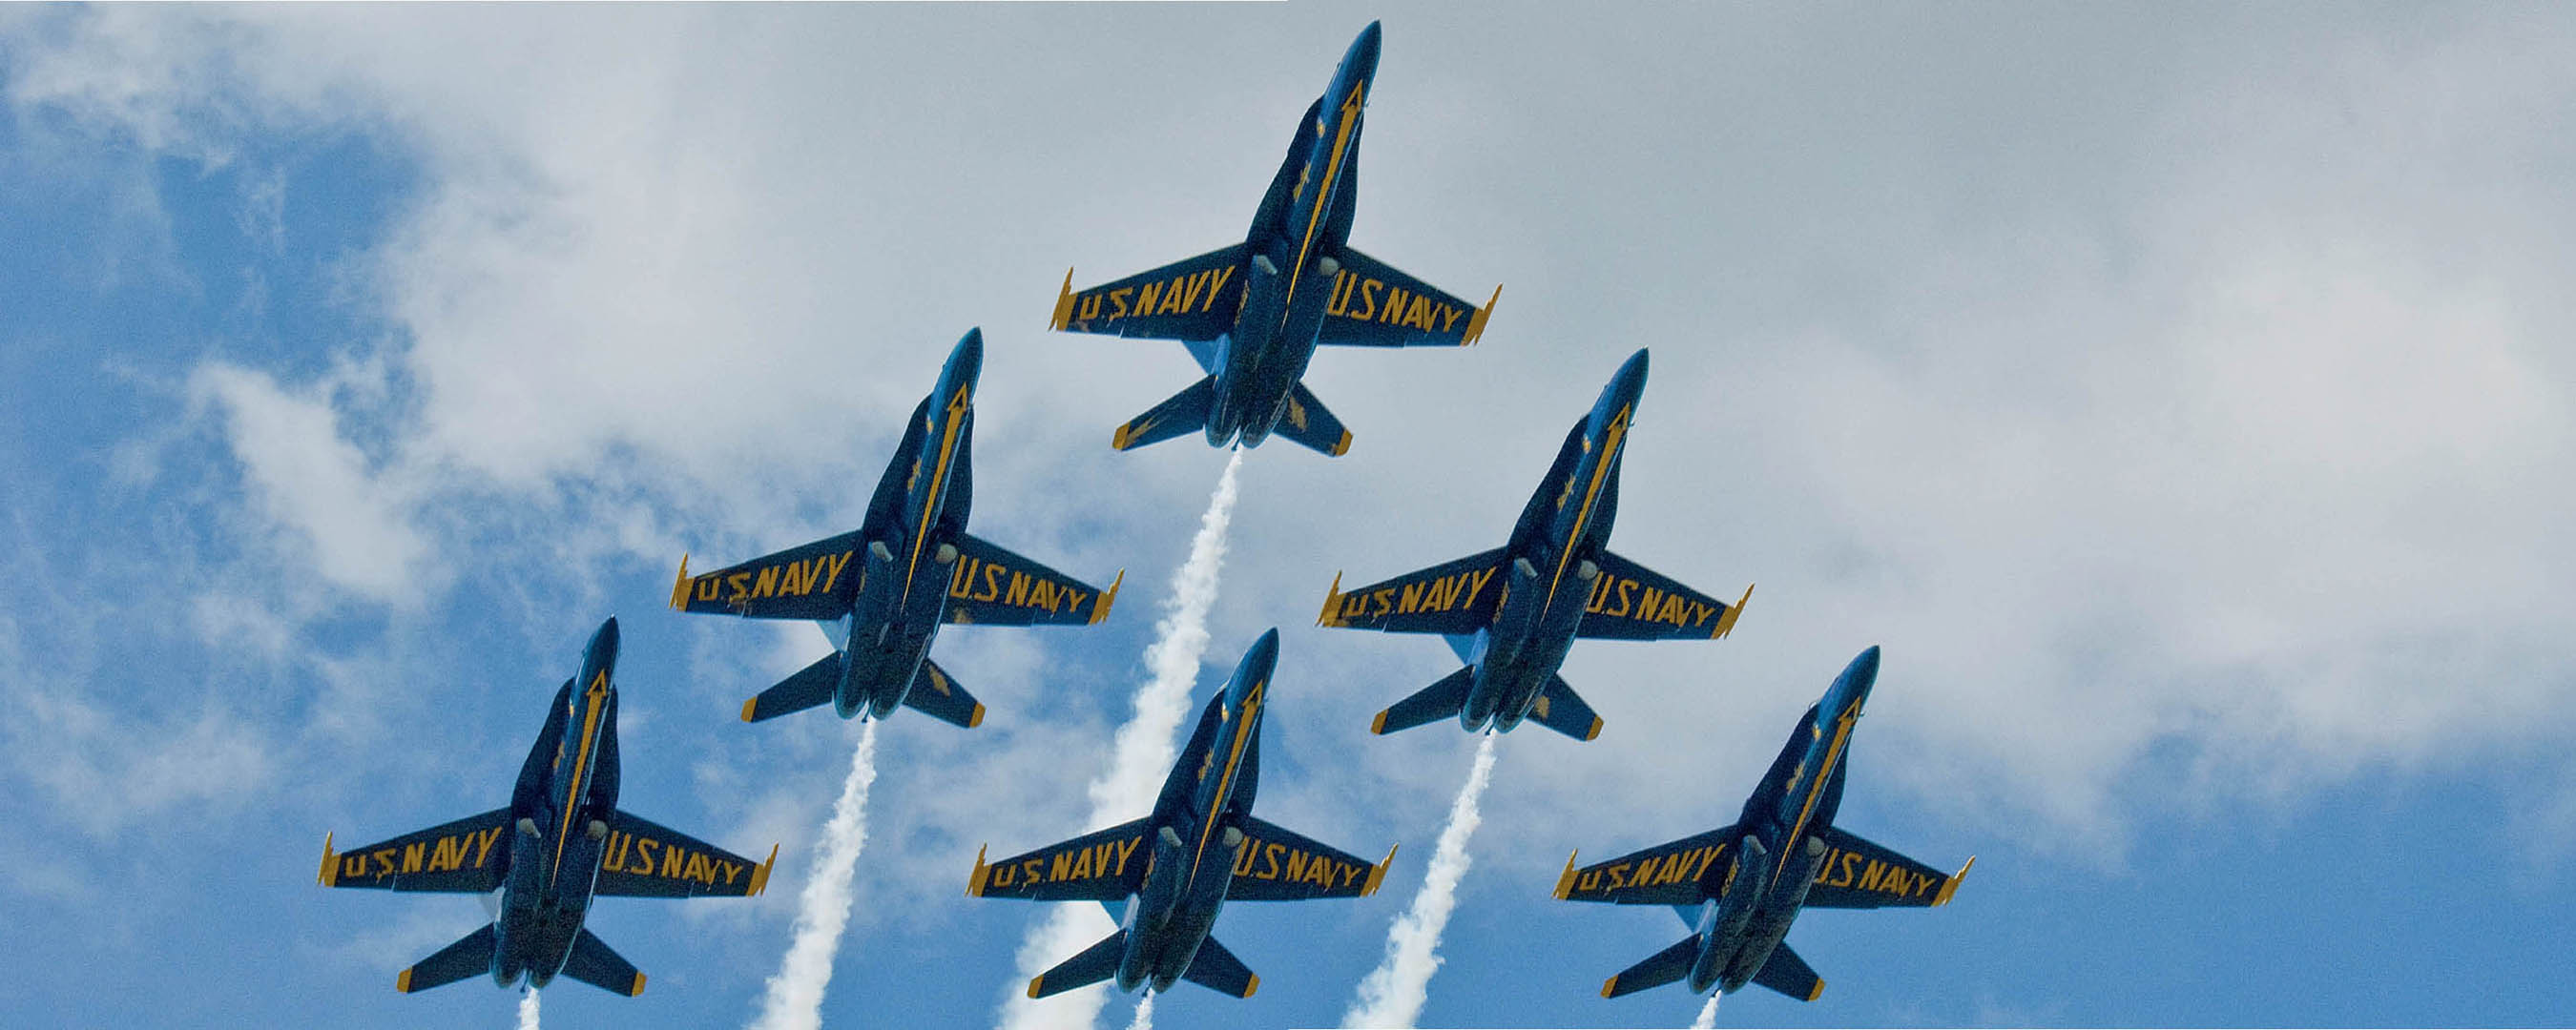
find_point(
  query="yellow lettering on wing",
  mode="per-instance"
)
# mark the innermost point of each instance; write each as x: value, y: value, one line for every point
x: 483, y: 850
x: 741, y: 584
x: 1270, y: 859
x: 1061, y: 868
x: 707, y: 588
x: 1216, y: 284
x: 1119, y: 297
x: 1088, y: 307
x: 1146, y: 296
x: 767, y: 584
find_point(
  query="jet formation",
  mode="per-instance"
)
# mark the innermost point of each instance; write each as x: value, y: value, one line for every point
x: 1202, y: 847
x: 1513, y: 628
x: 567, y: 843
x: 1740, y: 886
x: 1252, y: 313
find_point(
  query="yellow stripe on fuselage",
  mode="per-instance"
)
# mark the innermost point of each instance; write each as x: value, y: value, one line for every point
x: 597, y: 694
x: 1323, y: 194
x: 1815, y: 789
x: 1610, y: 443
x: 1225, y: 780
x: 957, y: 405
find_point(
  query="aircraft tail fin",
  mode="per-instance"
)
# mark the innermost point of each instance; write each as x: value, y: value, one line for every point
x: 470, y: 956
x: 936, y: 694
x: 1560, y: 709
x: 1440, y: 700
x: 1788, y: 974
x: 1311, y: 425
x: 1217, y: 969
x: 1658, y: 969
x: 1096, y: 963
x: 1185, y: 412
x: 593, y: 963
x: 811, y: 686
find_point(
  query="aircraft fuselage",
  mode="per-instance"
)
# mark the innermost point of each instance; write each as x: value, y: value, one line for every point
x: 907, y: 560
x: 1195, y: 844
x: 1290, y: 264
x: 559, y: 816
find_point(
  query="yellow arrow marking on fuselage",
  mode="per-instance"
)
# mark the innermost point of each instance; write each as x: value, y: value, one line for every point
x: 1324, y: 194
x: 957, y: 404
x: 1815, y: 789
x: 596, y: 695
x: 1225, y: 782
x: 1611, y: 440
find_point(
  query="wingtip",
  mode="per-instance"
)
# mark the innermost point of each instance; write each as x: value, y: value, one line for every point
x: 975, y: 718
x: 680, y: 585
x: 1252, y: 985
x: 402, y: 981
x: 1726, y: 622
x: 749, y: 706
x: 1377, y: 875
x: 1595, y: 731
x: 1033, y: 984
x: 1952, y: 886
x: 1565, y: 880
x: 1476, y: 324
x: 975, y: 880
x: 330, y: 872
x: 1609, y: 985
x: 1378, y: 725
x: 1100, y: 608
x: 1817, y: 991
x: 1063, y: 301
x: 1331, y: 614
x: 1343, y: 445
x: 760, y: 873
x: 639, y: 986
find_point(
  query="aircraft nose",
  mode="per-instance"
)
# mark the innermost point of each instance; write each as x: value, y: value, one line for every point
x: 1860, y: 677
x: 1258, y: 661
x: 1362, y: 60
x: 966, y: 362
x: 1632, y: 372
x: 605, y: 641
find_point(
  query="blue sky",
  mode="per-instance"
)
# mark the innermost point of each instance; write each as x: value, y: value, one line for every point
x: 2182, y: 403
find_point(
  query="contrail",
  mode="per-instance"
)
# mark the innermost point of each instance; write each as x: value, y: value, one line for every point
x: 1141, y: 753
x: 795, y: 998
x: 1708, y: 1013
x: 528, y: 1010
x: 1393, y: 993
x: 1144, y: 1013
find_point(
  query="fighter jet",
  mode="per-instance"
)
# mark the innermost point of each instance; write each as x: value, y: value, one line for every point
x: 921, y: 569
x: 1513, y: 628
x: 1252, y: 313
x: 1202, y: 847
x: 1739, y: 887
x: 561, y: 842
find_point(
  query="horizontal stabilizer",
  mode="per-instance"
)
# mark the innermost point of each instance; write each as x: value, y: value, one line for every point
x: 1184, y: 412
x: 470, y: 956
x: 1441, y: 700
x: 937, y: 695
x: 1667, y: 874
x: 1658, y: 969
x: 467, y: 856
x: 1559, y: 708
x: 1859, y: 874
x: 1096, y: 963
x: 593, y: 963
x: 1788, y: 974
x: 810, y: 686
x: 810, y: 581
x: 1102, y: 865
x: 1195, y: 298
x: 644, y: 859
x: 1309, y: 424
x: 1218, y: 970
x: 1374, y: 305
x: 1632, y: 602
x: 1453, y: 597
x: 1279, y: 864
x: 994, y: 587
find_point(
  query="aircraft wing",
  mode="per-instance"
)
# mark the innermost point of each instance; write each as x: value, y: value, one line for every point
x: 467, y: 856
x: 1103, y: 865
x: 1190, y: 299
x: 1278, y: 864
x: 1452, y: 597
x: 1373, y: 305
x: 1666, y: 874
x: 994, y: 587
x: 1859, y: 874
x: 644, y: 859
x: 812, y: 581
x: 1632, y: 602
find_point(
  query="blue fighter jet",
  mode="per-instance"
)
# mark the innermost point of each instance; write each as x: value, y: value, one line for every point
x: 1202, y: 848
x: 561, y: 842
x: 921, y: 569
x: 1739, y: 887
x: 1513, y: 628
x: 1252, y: 313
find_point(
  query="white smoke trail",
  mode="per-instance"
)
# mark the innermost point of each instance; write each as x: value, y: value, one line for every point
x: 1140, y: 754
x: 1144, y: 1013
x: 795, y: 997
x: 528, y: 1010
x: 1393, y: 993
x: 1708, y: 1013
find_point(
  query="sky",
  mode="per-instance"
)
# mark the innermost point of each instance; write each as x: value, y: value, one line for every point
x: 2180, y: 397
